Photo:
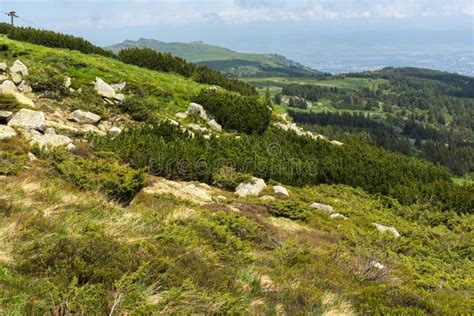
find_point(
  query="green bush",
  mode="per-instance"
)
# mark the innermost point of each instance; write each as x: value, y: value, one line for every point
x: 288, y: 209
x: 10, y: 163
x: 49, y: 83
x: 234, y: 112
x: 117, y: 181
x: 140, y: 109
x: 227, y: 178
x: 8, y: 103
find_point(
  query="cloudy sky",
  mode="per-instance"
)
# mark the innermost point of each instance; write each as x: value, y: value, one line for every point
x: 294, y: 27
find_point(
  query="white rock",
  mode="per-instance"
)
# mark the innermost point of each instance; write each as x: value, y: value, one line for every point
x: 28, y: 119
x: 377, y: 265
x: 119, y: 86
x: 249, y: 188
x: 4, y: 115
x: 214, y: 126
x: 267, y: 198
x: 322, y: 207
x: 23, y: 87
x: 89, y: 128
x: 196, y: 192
x: 67, y: 81
x: 16, y: 77
x: 61, y: 127
x: 70, y: 147
x: 50, y: 131
x: 173, y: 122
x: 8, y: 87
x: 197, y: 108
x: 197, y: 128
x: 3, y: 77
x: 31, y: 157
x: 83, y: 117
x: 48, y: 140
x: 119, y: 97
x: 115, y: 131
x: 181, y: 115
x: 24, y: 100
x: 335, y: 142
x: 387, y: 229
x: 104, y: 89
x: 104, y: 126
x: 6, y: 132
x: 29, y: 134
x: 3, y: 67
x: 278, y: 189
x: 18, y: 66
x: 337, y: 216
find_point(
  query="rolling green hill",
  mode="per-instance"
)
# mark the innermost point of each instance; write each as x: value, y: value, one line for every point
x: 228, y: 61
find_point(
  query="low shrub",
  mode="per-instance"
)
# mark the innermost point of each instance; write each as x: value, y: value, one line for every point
x: 288, y: 209
x: 8, y: 103
x: 235, y: 112
x: 49, y: 83
x: 227, y: 178
x: 117, y: 181
x: 11, y: 164
x: 140, y: 109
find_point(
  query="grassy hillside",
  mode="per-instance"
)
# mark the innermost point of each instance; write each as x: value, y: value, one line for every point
x: 226, y: 60
x: 99, y: 230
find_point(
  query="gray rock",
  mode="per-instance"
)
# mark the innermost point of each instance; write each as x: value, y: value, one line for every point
x: 119, y: 97
x: 89, y: 128
x: 335, y: 142
x: 181, y: 115
x: 6, y: 132
x: 119, y: 86
x: 3, y: 77
x: 51, y: 140
x: 67, y: 81
x: 387, y: 229
x: 280, y: 190
x: 16, y: 77
x: 337, y: 216
x: 70, y: 147
x: 8, y: 87
x: 19, y: 67
x: 4, y: 115
x: 62, y: 128
x: 197, y: 108
x: 103, y: 89
x: 104, y: 126
x: 3, y: 67
x: 29, y: 120
x: 21, y: 98
x: 253, y: 188
x: 115, y: 131
x: 50, y: 131
x: 215, y: 126
x: 25, y: 88
x: 83, y: 117
x: 197, y: 128
x: 323, y: 207
x: 31, y: 157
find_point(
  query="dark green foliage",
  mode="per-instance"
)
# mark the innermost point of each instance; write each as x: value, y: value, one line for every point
x: 11, y: 164
x: 49, y: 83
x: 8, y: 103
x: 227, y: 178
x: 56, y: 40
x: 288, y: 209
x: 140, y: 109
x: 5, y: 28
x: 289, y: 159
x: 117, y: 181
x: 151, y: 59
x: 234, y: 112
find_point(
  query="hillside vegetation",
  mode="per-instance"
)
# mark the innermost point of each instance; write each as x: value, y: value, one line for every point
x: 148, y: 203
x: 223, y: 59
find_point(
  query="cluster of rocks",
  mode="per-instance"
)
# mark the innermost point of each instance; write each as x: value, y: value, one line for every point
x: 13, y: 82
x: 110, y: 93
x: 193, y: 191
x: 290, y: 126
x: 197, y: 109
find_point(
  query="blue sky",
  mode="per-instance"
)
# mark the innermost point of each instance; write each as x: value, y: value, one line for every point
x: 294, y: 28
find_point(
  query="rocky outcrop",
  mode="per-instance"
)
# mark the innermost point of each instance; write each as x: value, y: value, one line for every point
x: 19, y: 67
x: 214, y: 126
x: 83, y: 117
x: 198, y: 109
x: 51, y: 140
x: 103, y: 89
x: 281, y: 190
x: 322, y: 207
x: 29, y: 120
x: 6, y: 132
x: 196, y: 192
x: 387, y: 229
x: 253, y: 188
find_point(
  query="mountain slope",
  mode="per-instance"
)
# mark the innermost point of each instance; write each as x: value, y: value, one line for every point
x: 226, y: 60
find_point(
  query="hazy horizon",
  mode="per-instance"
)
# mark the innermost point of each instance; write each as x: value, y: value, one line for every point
x: 333, y: 36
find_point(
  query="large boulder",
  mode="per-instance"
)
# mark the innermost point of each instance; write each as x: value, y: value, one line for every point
x: 29, y: 120
x: 103, y: 89
x: 83, y: 117
x: 322, y: 207
x: 19, y: 67
x: 197, y: 108
x: 214, y: 126
x: 6, y: 132
x: 387, y: 229
x: 51, y: 140
x: 8, y: 87
x: 253, y: 188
